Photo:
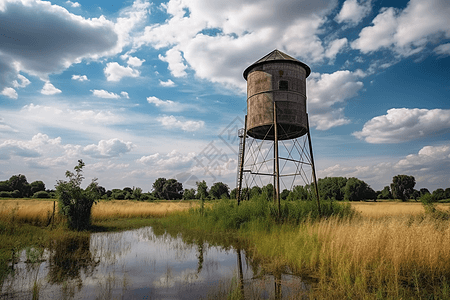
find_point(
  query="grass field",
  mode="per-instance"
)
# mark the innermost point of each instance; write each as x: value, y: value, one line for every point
x: 390, y: 250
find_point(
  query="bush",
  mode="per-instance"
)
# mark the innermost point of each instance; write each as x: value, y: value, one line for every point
x: 16, y: 194
x: 4, y: 194
x: 74, y: 202
x: 41, y: 195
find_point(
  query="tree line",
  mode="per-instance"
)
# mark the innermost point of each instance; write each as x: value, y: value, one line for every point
x: 335, y: 188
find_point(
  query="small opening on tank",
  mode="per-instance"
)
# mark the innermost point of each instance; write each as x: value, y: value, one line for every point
x: 283, y: 85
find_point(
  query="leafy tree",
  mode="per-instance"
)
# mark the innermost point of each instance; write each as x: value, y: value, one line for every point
x: 255, y: 191
x: 189, y: 194
x: 385, y: 193
x: 447, y: 193
x: 167, y: 189
x: 332, y: 187
x: 267, y: 191
x: 4, y: 186
x: 356, y: 190
x: 415, y: 194
x: 20, y: 183
x: 299, y: 193
x: 402, y: 186
x: 118, y: 194
x: 37, y: 186
x: 202, y: 189
x: 233, y: 193
x: 74, y: 202
x: 439, y: 194
x: 284, y: 194
x: 219, y: 190
x: 424, y: 191
x: 137, y: 193
x: 41, y: 195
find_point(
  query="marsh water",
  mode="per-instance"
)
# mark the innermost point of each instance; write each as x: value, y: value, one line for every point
x: 139, y: 264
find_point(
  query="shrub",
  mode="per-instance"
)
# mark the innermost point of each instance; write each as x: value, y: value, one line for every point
x: 74, y: 202
x: 41, y: 195
x: 16, y: 194
x: 4, y: 194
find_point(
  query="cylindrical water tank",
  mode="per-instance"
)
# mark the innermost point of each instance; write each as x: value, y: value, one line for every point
x: 280, y: 78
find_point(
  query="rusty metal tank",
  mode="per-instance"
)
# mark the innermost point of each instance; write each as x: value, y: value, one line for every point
x: 280, y: 78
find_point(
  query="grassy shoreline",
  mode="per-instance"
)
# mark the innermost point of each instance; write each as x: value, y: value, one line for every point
x: 399, y: 254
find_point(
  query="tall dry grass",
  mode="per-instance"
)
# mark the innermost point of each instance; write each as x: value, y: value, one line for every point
x: 38, y: 212
x: 390, y: 257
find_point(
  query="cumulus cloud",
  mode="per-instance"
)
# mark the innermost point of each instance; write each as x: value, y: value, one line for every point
x: 404, y: 124
x: 217, y: 39
x: 27, y: 149
x: 134, y: 61
x: 73, y: 4
x: 353, y: 11
x: 173, y: 122
x: 63, y: 38
x: 168, y: 83
x: 443, y: 49
x: 108, y: 148
x: 80, y: 77
x: 175, y: 60
x: 327, y: 94
x: 407, y: 31
x: 105, y: 94
x: 10, y: 93
x: 49, y: 89
x: 23, y: 81
x: 125, y: 95
x: 115, y: 72
x: 169, y: 105
x: 171, y: 160
x: 335, y: 47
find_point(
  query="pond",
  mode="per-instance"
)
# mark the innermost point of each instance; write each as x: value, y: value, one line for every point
x: 139, y: 264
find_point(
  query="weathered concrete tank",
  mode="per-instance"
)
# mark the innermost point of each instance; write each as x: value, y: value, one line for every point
x: 280, y: 78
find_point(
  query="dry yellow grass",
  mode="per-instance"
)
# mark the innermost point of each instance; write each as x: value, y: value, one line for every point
x: 384, y: 209
x: 39, y: 211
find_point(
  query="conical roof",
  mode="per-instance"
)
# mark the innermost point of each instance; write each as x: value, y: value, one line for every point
x: 276, y: 56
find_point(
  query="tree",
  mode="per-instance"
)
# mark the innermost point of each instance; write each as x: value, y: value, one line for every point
x: 385, y: 193
x: 137, y: 193
x: 424, y: 191
x: 189, y: 194
x: 167, y: 189
x: 332, y: 187
x: 219, y: 190
x: 299, y: 193
x: 74, y: 202
x: 255, y: 191
x: 267, y: 191
x: 402, y: 186
x: 439, y: 194
x: 284, y: 194
x: 37, y: 186
x: 202, y: 189
x: 20, y: 183
x: 356, y: 190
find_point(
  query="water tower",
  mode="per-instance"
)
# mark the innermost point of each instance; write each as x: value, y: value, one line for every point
x: 276, y: 114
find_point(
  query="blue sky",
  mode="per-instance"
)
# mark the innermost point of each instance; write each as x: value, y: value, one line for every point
x: 139, y: 90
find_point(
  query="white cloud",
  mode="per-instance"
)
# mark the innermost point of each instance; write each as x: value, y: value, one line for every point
x: 171, y: 160
x: 73, y: 4
x: 125, y: 95
x: 80, y: 77
x: 108, y: 148
x: 175, y: 60
x: 443, y: 49
x: 63, y: 39
x: 219, y: 38
x: 353, y: 11
x: 327, y: 94
x: 166, y: 105
x: 173, y: 122
x: 49, y: 89
x: 23, y: 81
x: 115, y: 72
x: 408, y: 31
x: 134, y: 61
x: 335, y: 47
x: 404, y: 124
x: 39, y: 144
x: 105, y: 94
x: 10, y: 93
x: 168, y: 83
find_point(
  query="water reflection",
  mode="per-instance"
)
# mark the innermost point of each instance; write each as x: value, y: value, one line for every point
x: 140, y: 264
